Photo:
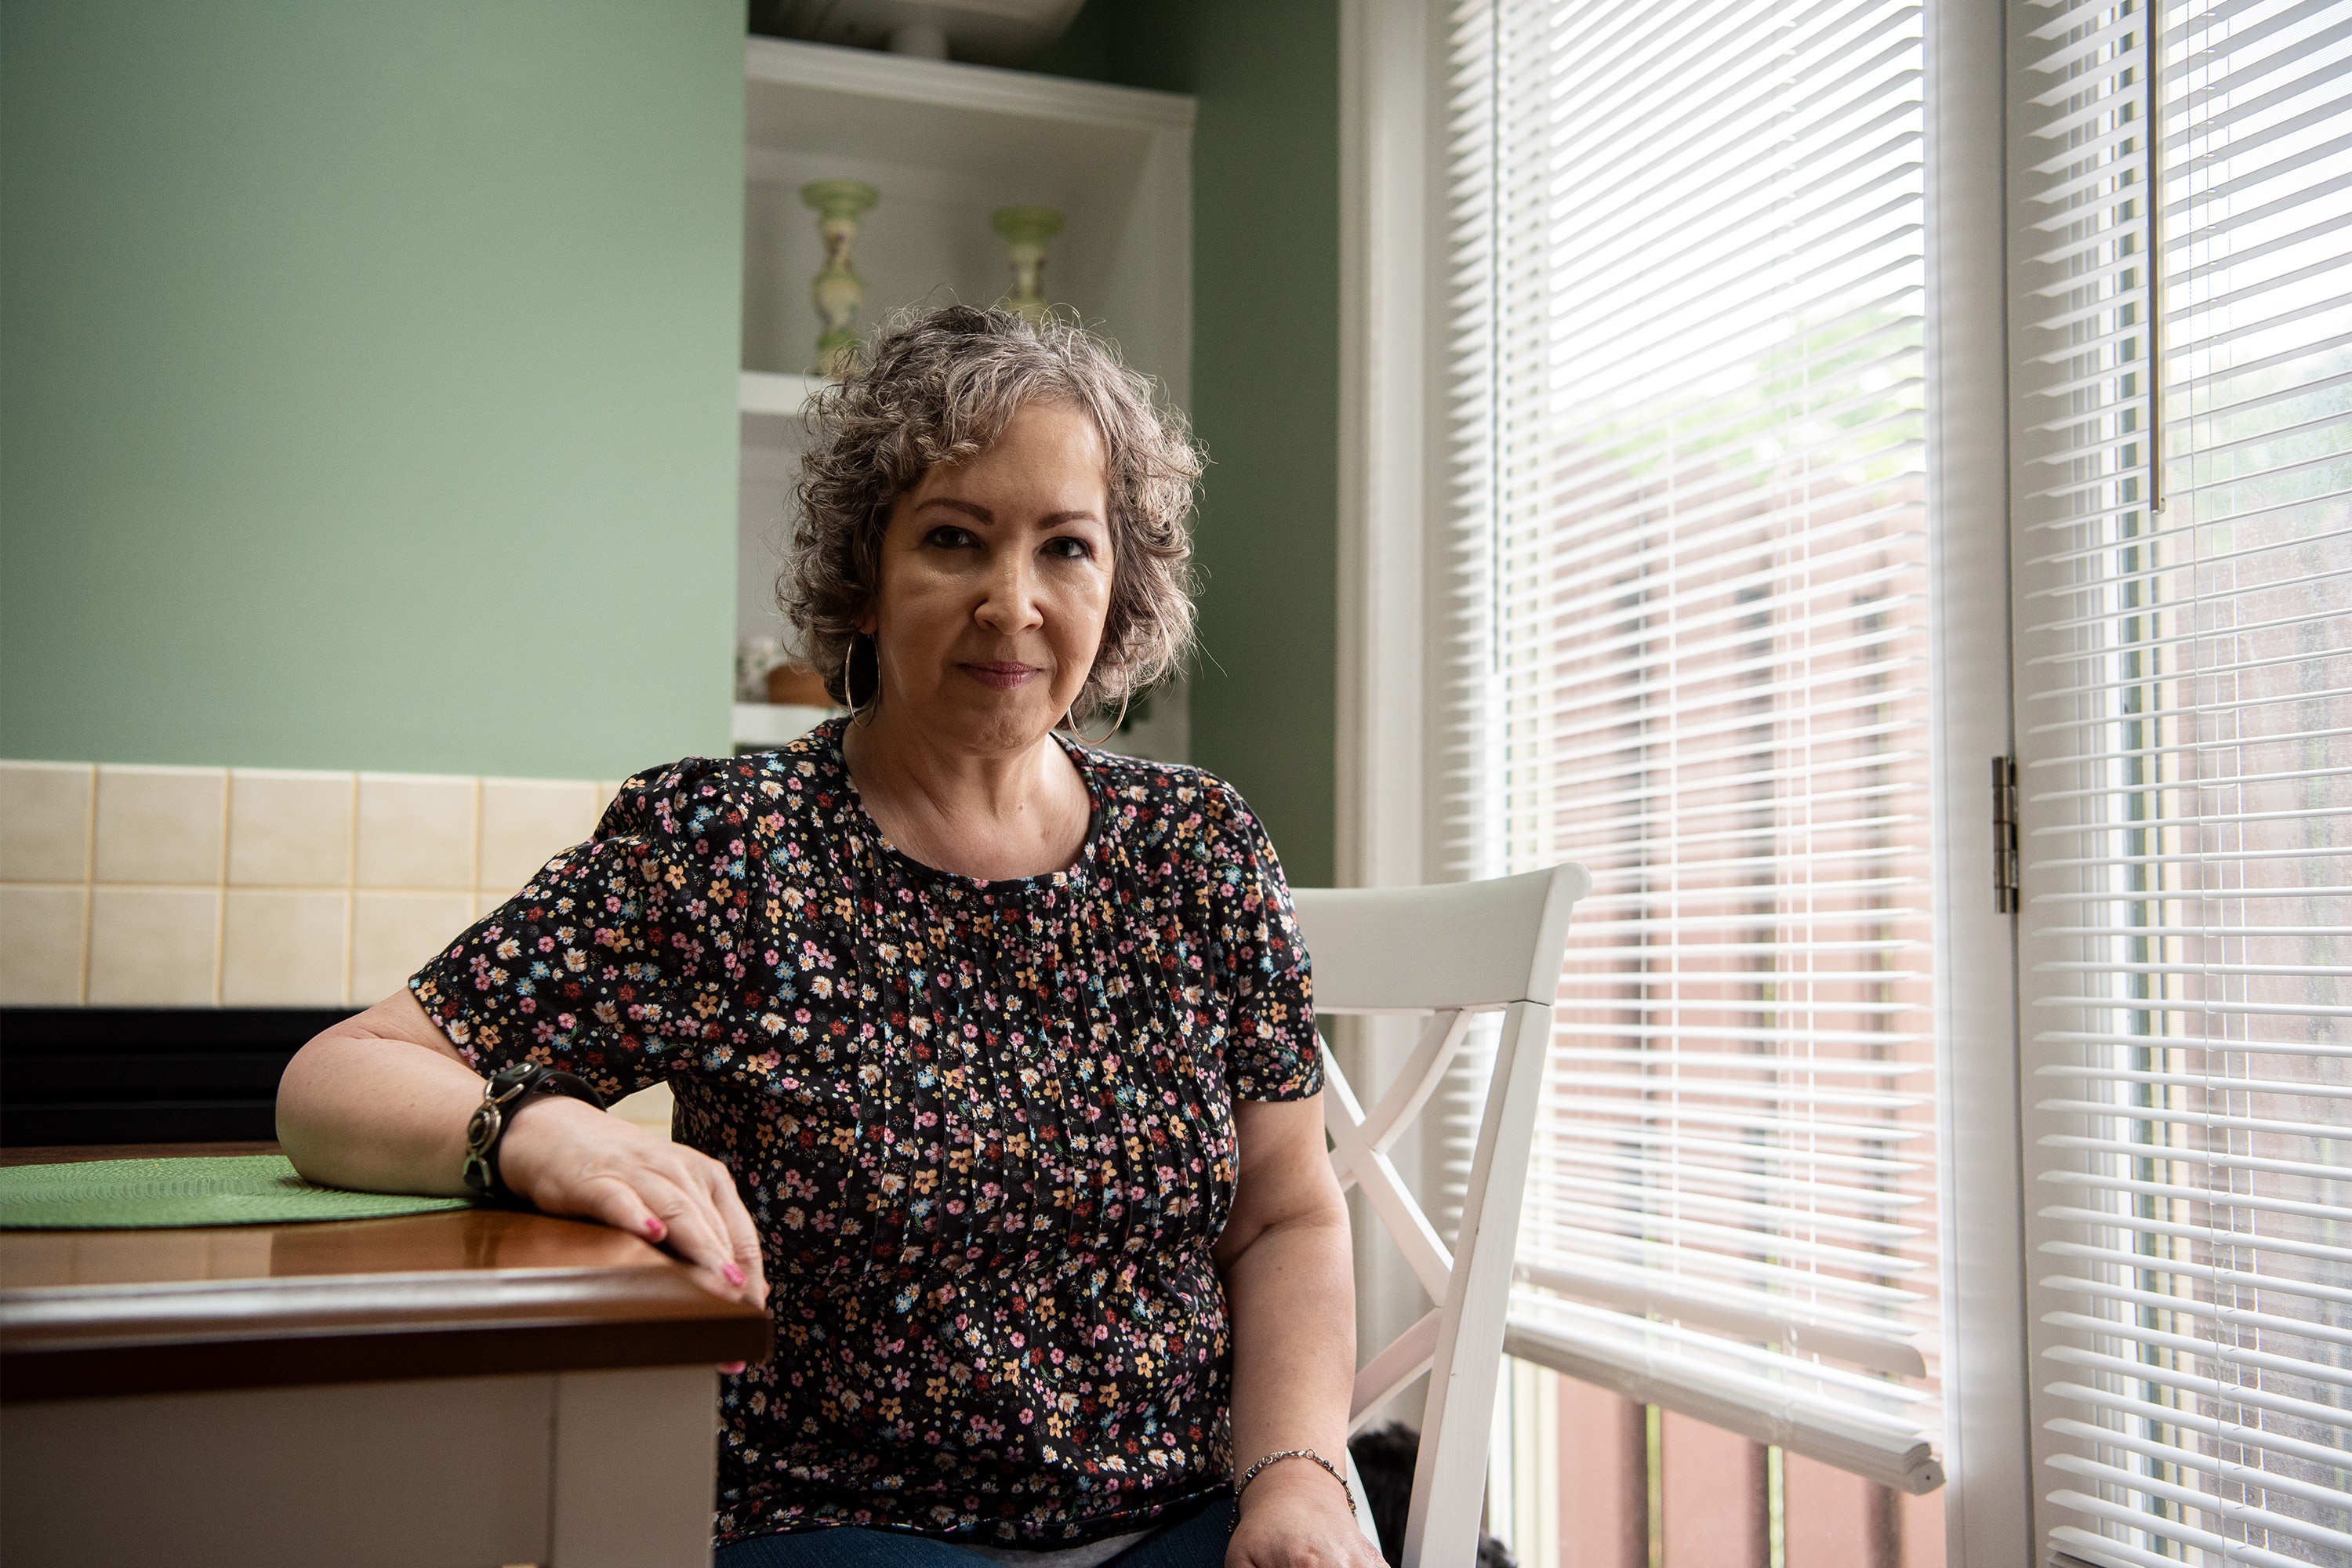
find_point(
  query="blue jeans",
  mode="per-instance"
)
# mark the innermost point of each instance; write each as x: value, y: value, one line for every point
x: 1195, y: 1543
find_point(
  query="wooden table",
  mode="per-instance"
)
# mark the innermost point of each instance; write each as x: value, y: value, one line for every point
x: 476, y: 1388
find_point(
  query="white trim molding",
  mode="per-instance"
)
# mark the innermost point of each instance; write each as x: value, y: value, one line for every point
x: 1383, y: 332
x: 1988, y: 1507
x: 1385, y: 404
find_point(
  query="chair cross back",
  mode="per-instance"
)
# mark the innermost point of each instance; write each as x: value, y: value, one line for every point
x: 1449, y: 951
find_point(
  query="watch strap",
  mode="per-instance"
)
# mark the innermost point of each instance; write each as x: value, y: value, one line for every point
x: 504, y: 1094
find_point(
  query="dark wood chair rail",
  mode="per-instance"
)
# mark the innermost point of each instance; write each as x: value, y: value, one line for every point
x: 85, y: 1314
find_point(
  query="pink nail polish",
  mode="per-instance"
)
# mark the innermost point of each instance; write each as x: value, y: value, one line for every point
x: 730, y: 1367
x: 734, y: 1275
x: 654, y: 1229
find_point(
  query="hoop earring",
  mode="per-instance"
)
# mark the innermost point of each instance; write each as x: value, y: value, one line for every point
x: 847, y: 698
x: 1071, y: 719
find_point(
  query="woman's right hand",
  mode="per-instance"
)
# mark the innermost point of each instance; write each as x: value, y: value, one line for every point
x: 380, y: 1102
x: 569, y: 1158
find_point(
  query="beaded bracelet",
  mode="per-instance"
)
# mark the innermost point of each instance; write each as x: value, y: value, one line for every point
x: 1251, y: 1474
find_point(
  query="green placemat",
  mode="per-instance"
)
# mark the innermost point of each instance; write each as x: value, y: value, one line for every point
x: 134, y: 1194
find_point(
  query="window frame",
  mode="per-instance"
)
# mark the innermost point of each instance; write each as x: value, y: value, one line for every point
x: 1392, y: 627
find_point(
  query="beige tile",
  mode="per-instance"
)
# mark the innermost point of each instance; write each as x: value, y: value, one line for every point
x: 393, y: 933
x: 45, y: 821
x: 152, y: 947
x: 525, y: 821
x: 282, y: 949
x: 485, y: 903
x: 416, y: 831
x: 41, y: 933
x: 160, y: 825
x: 649, y: 1108
x: 289, y: 829
x: 605, y: 790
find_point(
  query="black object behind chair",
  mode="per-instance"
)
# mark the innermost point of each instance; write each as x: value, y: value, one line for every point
x: 1384, y: 1460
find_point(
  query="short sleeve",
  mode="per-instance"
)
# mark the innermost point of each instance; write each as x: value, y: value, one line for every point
x: 1271, y: 1051
x: 607, y: 963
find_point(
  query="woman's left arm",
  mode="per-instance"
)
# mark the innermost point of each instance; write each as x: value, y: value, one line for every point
x: 1291, y: 1297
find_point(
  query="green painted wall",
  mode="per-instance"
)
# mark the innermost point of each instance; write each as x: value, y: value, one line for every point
x: 367, y: 381
x: 1266, y: 380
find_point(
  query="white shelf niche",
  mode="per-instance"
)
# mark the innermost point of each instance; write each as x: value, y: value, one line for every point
x: 945, y: 144
x: 766, y: 393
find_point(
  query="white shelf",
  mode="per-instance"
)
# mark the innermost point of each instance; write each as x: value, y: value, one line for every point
x: 768, y: 391
x: 870, y: 73
x: 774, y: 723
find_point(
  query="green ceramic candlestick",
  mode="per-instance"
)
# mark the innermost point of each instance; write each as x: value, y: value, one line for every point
x: 1025, y: 232
x: 838, y: 292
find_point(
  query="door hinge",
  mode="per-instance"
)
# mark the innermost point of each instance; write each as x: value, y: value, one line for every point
x: 2004, y: 835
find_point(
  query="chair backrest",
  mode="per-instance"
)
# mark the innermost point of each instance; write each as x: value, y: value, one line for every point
x: 1448, y: 951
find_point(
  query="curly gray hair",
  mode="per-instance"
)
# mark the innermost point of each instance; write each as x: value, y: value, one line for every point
x: 938, y: 388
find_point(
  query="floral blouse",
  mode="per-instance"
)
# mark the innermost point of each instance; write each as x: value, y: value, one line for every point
x: 985, y: 1128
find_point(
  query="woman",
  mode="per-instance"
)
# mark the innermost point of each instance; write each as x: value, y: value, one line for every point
x: 992, y: 1051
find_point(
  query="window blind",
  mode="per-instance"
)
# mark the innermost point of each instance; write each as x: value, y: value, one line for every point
x: 2183, y: 377
x: 1687, y: 431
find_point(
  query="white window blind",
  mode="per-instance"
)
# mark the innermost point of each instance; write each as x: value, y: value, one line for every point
x: 2184, y: 748
x: 1687, y: 444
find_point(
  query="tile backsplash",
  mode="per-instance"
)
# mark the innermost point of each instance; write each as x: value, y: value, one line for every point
x: 161, y: 887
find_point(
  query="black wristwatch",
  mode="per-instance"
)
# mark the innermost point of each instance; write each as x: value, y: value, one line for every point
x: 505, y: 1095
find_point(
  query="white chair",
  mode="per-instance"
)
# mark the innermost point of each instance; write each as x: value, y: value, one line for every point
x: 1448, y: 951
